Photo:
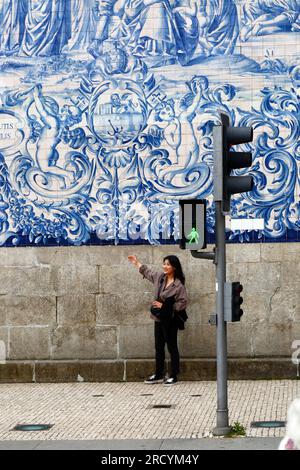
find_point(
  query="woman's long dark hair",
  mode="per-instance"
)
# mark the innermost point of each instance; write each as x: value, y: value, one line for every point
x: 175, y: 263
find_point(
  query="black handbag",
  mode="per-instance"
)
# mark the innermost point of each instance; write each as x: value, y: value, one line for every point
x: 167, y: 312
x: 180, y: 318
x: 155, y: 311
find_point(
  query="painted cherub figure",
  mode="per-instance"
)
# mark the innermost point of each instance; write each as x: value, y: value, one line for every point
x: 179, y: 131
x: 54, y: 123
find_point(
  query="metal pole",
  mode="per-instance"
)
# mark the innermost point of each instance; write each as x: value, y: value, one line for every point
x: 222, y: 427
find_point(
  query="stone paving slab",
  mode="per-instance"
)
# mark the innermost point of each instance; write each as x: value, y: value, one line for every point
x: 123, y: 411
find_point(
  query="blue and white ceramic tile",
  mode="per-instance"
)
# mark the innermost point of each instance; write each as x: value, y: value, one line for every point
x: 107, y: 109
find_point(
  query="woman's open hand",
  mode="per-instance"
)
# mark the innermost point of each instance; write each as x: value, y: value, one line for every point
x: 133, y: 259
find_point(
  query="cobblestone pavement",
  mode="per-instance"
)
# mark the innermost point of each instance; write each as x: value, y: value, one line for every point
x: 124, y: 410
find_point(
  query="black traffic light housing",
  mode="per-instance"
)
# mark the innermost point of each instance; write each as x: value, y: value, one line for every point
x: 233, y: 301
x: 225, y: 184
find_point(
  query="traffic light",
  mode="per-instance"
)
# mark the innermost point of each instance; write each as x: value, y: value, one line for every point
x: 232, y: 301
x: 225, y: 184
x: 192, y: 224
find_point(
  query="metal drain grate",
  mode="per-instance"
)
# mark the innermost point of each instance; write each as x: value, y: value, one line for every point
x: 147, y: 395
x: 268, y: 424
x: 32, y: 427
x: 196, y: 396
x: 98, y: 396
x: 159, y: 407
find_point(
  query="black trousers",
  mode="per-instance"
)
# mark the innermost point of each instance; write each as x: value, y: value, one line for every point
x: 166, y: 332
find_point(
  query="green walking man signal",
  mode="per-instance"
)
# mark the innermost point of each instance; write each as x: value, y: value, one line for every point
x: 193, y: 237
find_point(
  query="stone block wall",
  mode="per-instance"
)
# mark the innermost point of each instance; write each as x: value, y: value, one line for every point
x: 72, y: 312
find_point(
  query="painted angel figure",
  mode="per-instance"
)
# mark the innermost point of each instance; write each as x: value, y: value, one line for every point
x: 178, y: 130
x: 54, y: 123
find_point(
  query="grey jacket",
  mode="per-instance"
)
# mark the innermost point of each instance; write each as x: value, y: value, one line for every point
x: 176, y: 288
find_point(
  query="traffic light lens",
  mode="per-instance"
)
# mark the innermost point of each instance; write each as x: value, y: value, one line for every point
x: 239, y: 160
x: 239, y: 135
x: 239, y: 184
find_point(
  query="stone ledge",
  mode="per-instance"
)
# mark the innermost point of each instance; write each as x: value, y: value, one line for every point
x: 137, y: 370
x: 17, y: 372
x: 62, y: 372
x: 262, y: 369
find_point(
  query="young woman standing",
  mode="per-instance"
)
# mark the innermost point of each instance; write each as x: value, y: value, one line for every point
x: 170, y: 295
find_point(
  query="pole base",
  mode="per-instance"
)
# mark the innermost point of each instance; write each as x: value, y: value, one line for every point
x: 221, y: 431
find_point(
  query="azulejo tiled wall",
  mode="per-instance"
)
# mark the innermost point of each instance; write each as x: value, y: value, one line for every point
x: 107, y: 110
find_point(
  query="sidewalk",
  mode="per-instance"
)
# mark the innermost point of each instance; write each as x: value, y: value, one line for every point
x: 256, y: 443
x: 124, y: 411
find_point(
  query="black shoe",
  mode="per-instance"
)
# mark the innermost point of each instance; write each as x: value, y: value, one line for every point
x: 170, y: 381
x: 154, y: 379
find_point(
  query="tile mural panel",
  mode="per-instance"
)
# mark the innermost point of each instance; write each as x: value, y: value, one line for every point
x: 107, y: 108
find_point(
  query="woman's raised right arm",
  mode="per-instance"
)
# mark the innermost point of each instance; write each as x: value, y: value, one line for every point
x: 143, y: 269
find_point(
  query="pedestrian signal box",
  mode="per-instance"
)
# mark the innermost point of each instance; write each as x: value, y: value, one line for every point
x: 192, y: 224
